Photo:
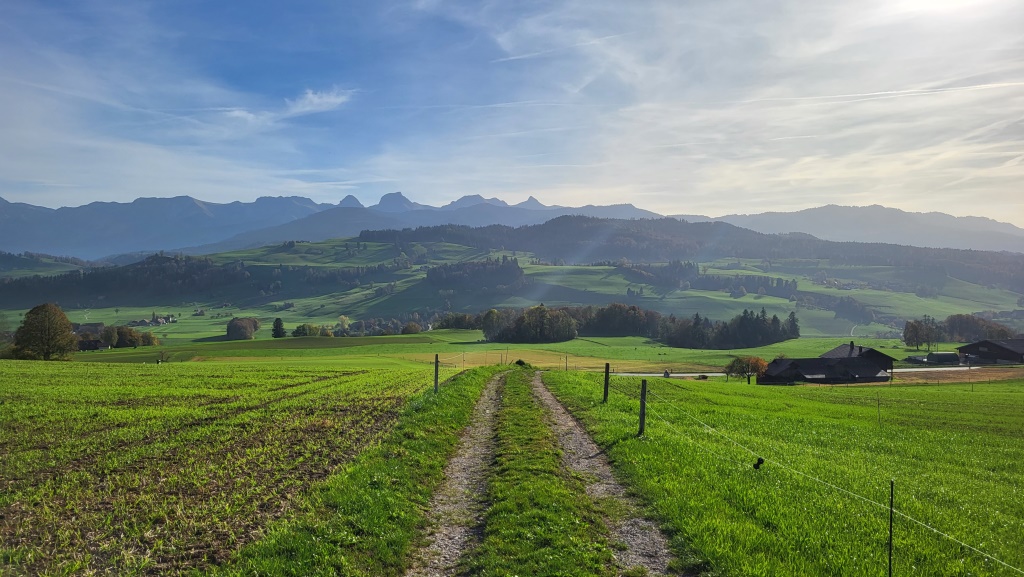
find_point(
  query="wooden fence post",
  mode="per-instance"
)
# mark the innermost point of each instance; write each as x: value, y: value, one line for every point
x: 643, y: 407
x: 607, y: 369
x: 436, y: 369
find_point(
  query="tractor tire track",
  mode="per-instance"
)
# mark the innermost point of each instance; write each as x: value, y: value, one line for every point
x: 456, y: 511
x: 644, y: 544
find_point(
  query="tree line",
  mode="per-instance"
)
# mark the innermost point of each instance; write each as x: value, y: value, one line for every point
x: 960, y: 328
x: 485, y: 276
x: 542, y: 324
x: 187, y: 277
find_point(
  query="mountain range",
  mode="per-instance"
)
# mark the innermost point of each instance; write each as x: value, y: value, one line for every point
x: 886, y: 225
x: 184, y: 224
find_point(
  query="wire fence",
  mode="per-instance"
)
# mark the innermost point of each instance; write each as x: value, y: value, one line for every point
x: 663, y: 406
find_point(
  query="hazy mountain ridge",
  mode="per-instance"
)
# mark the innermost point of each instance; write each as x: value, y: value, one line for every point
x: 183, y: 223
x: 882, y: 224
x: 99, y: 229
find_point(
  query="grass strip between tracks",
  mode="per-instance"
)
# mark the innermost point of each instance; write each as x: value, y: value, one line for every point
x: 365, y: 519
x: 540, y: 521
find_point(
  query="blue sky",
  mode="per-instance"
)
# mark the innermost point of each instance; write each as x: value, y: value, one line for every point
x: 696, y: 107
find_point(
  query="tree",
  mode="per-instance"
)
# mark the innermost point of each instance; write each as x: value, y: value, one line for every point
x: 912, y: 334
x: 306, y: 330
x: 746, y: 367
x: 108, y: 335
x: 491, y: 324
x: 240, y: 329
x: 5, y: 328
x: 45, y: 334
x: 411, y: 328
x: 278, y: 331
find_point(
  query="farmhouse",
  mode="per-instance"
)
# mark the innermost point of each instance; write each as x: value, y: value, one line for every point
x: 1007, y: 351
x: 843, y: 364
x: 850, y: 351
x: 826, y: 371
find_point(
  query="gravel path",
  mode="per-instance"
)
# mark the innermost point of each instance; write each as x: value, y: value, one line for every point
x: 456, y: 511
x: 645, y: 546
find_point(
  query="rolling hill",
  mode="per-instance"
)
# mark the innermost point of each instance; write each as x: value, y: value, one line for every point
x: 834, y: 287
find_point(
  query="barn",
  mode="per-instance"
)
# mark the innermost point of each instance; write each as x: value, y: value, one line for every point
x: 987, y: 351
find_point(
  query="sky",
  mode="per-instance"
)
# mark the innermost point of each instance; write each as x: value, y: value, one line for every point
x: 681, y: 107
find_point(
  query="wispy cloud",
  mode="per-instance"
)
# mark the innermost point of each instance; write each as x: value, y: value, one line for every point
x: 312, y: 102
x: 680, y: 107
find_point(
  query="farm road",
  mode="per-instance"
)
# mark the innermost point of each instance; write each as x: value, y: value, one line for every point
x: 644, y: 545
x: 456, y: 511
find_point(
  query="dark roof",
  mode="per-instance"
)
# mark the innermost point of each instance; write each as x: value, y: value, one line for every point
x: 850, y: 350
x: 819, y: 369
x: 1015, y: 345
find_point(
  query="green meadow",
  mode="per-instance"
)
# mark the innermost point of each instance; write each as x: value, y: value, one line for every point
x: 819, y: 504
x: 316, y: 459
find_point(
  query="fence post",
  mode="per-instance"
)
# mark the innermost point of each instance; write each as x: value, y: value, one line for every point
x: 892, y: 494
x: 607, y: 369
x: 436, y: 368
x: 643, y: 407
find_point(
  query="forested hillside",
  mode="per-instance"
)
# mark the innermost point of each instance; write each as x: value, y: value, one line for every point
x: 584, y: 240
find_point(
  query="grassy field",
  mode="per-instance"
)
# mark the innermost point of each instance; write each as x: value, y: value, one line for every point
x: 317, y: 456
x: 157, y: 469
x: 466, y: 348
x: 365, y: 519
x: 819, y: 504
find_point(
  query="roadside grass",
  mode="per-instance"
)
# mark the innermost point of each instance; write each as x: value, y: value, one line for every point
x: 540, y: 521
x: 169, y: 469
x: 819, y: 505
x: 365, y: 519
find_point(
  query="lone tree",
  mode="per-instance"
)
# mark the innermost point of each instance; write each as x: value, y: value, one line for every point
x: 45, y: 334
x: 240, y: 329
x: 746, y: 367
x: 278, y: 331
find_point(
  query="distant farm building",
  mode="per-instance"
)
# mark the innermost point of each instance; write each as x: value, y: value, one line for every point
x: 1008, y: 351
x: 942, y: 358
x: 850, y: 351
x: 843, y: 364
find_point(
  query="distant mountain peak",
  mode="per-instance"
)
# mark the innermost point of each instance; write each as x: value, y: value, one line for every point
x: 397, y: 202
x: 473, y: 200
x: 351, y: 202
x: 532, y: 204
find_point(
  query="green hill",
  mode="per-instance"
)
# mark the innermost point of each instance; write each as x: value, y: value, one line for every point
x: 386, y: 281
